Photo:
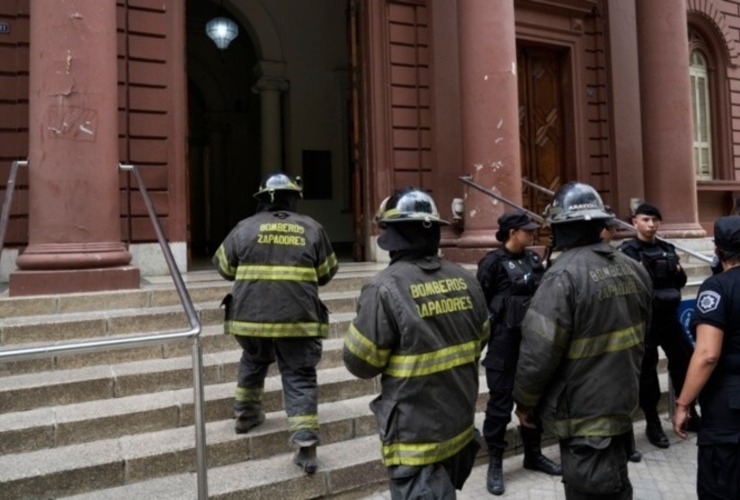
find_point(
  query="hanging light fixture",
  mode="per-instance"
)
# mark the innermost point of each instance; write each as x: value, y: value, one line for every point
x: 222, y: 31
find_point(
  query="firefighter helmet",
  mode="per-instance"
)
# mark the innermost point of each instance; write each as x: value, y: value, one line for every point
x: 408, y: 205
x: 574, y: 202
x: 279, y: 182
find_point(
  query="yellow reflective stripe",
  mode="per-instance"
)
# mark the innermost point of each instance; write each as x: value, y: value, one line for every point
x: 276, y: 273
x: 425, y: 453
x: 364, y: 349
x: 223, y: 262
x: 326, y: 266
x: 303, y: 422
x: 418, y: 365
x: 526, y: 399
x: 485, y: 334
x: 249, y: 394
x: 596, y: 426
x: 617, y: 340
x: 275, y: 330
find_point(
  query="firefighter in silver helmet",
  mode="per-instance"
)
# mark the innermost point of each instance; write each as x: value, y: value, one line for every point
x: 421, y: 324
x: 277, y: 259
x: 581, y: 348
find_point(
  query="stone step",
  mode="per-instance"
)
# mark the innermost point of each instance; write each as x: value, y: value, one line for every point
x: 105, y: 322
x: 345, y: 469
x: 129, y: 459
x: 202, y: 286
x: 28, y: 391
x: 212, y: 340
x: 77, y: 467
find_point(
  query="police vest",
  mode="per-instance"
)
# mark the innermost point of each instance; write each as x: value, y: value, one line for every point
x: 524, y: 274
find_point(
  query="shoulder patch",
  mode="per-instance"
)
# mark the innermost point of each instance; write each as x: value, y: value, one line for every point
x: 708, y: 301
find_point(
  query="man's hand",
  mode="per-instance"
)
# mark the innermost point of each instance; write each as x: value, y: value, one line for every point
x: 526, y: 418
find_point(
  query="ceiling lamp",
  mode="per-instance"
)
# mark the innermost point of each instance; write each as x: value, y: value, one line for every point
x: 222, y: 31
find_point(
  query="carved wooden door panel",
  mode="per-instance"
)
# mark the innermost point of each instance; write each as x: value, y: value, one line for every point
x: 540, y: 123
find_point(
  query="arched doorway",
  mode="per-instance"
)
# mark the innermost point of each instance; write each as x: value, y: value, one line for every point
x: 253, y: 110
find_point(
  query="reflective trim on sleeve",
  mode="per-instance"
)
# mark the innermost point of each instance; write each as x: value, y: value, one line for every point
x: 223, y: 262
x: 249, y: 394
x: 364, y: 349
x: 325, y: 267
x: 420, y: 454
x: 617, y: 340
x: 597, y: 426
x: 303, y: 422
x: 418, y: 365
x: 276, y: 273
x: 276, y: 330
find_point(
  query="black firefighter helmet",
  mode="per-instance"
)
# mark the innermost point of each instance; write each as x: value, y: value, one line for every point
x: 576, y: 202
x: 408, y: 205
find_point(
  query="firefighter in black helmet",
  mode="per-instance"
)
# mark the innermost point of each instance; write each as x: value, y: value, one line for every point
x: 277, y: 259
x: 581, y: 348
x: 420, y: 324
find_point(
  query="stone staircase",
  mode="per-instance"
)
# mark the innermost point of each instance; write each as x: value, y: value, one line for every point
x: 120, y: 424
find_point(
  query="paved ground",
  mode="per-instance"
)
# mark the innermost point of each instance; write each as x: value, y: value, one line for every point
x: 661, y: 475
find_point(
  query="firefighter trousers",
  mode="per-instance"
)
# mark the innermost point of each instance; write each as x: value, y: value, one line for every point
x: 297, y: 359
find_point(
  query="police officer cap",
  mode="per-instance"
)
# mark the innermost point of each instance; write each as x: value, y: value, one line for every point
x: 727, y: 233
x: 648, y: 209
x: 516, y: 219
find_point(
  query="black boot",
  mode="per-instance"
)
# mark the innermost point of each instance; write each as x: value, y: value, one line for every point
x: 533, y: 457
x: 654, y: 432
x: 495, y: 478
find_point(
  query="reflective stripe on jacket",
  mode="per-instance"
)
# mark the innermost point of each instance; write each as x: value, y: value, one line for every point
x: 277, y: 261
x: 582, y: 343
x: 421, y: 324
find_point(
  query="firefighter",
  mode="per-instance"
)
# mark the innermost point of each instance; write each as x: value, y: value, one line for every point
x: 421, y: 324
x: 509, y: 276
x: 662, y: 263
x: 582, y: 344
x: 277, y: 259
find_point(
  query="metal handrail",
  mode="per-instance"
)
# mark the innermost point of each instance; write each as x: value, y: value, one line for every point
x: 629, y: 227
x: 9, y: 190
x: 193, y: 333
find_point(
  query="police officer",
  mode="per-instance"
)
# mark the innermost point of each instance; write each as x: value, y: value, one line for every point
x: 277, y: 259
x: 662, y: 263
x: 714, y: 371
x: 509, y: 275
x: 582, y: 343
x: 421, y: 324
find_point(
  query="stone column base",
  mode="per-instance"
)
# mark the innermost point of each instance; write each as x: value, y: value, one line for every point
x: 45, y: 282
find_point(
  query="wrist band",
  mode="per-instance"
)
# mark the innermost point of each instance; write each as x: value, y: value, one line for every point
x: 678, y: 403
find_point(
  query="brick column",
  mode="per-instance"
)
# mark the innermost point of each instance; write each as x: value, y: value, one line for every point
x: 74, y: 208
x: 666, y: 115
x: 490, y: 113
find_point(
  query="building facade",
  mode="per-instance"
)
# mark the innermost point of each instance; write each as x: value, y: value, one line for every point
x: 358, y: 97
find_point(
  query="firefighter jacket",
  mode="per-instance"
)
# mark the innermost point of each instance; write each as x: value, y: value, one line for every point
x: 582, y: 343
x: 277, y: 261
x: 662, y: 263
x: 421, y: 324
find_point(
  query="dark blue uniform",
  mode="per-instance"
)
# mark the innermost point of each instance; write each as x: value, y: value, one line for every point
x: 668, y: 278
x: 718, y: 305
x: 508, y: 281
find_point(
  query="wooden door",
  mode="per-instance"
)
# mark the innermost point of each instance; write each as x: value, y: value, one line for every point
x: 541, y: 123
